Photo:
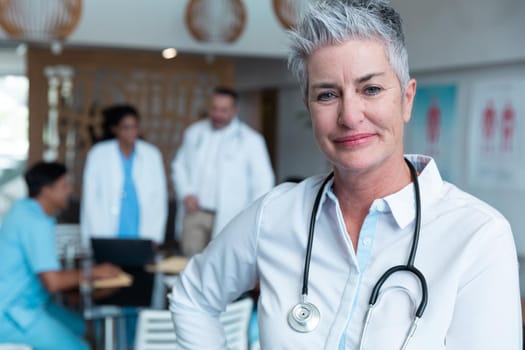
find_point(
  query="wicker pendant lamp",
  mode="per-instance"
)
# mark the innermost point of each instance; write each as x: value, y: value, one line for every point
x: 287, y: 11
x: 39, y: 20
x: 216, y: 20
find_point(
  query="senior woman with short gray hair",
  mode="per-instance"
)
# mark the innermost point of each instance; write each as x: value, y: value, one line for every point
x: 379, y: 254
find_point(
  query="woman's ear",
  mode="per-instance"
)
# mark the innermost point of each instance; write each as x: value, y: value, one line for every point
x: 408, y: 99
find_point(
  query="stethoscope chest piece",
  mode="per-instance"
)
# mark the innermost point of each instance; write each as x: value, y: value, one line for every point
x: 304, y: 317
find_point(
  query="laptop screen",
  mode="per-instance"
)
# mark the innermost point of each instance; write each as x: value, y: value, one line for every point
x: 123, y: 252
x: 131, y: 255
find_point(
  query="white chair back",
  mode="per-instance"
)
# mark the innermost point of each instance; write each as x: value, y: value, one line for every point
x: 236, y: 320
x: 68, y: 241
x: 155, y: 328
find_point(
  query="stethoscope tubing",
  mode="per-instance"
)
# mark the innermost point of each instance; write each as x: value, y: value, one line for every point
x: 409, y: 267
x: 311, y: 229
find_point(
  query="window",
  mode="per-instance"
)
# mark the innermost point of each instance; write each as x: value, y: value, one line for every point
x: 14, y: 139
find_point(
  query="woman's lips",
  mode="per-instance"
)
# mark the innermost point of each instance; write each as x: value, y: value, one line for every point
x: 354, y: 140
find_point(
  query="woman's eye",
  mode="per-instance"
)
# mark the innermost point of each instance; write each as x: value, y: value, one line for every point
x: 325, y: 96
x: 372, y: 90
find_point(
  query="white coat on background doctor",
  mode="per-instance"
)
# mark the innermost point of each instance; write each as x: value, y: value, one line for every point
x: 124, y: 188
x: 221, y: 167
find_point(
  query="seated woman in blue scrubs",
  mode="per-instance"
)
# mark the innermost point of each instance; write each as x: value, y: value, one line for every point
x: 30, y: 270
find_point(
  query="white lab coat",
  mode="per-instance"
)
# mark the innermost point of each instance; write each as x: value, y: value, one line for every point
x: 466, y: 253
x: 244, y: 170
x: 102, y: 191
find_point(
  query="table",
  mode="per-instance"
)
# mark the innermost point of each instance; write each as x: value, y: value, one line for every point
x: 148, y: 291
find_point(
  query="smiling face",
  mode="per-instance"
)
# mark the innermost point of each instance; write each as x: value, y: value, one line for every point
x: 357, y: 106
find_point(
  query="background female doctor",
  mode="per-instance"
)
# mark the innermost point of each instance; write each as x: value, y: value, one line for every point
x: 124, y: 190
x: 351, y: 60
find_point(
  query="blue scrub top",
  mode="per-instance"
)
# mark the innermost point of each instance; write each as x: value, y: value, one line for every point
x: 129, y: 205
x: 27, y: 248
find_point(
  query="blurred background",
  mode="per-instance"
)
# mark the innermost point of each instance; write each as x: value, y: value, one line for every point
x: 62, y: 61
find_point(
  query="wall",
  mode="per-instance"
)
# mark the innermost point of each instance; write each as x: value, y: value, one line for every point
x: 250, y: 109
x: 253, y: 73
x: 298, y: 155
x: 510, y: 203
x: 11, y: 63
x: 452, y: 33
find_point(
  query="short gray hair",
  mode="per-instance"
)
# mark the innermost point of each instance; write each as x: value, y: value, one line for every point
x: 332, y: 22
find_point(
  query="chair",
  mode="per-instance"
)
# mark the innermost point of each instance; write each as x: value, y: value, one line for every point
x: 155, y: 328
x: 68, y: 241
x: 235, y: 321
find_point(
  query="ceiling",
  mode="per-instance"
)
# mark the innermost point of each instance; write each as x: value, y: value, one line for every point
x: 157, y: 24
x: 440, y: 34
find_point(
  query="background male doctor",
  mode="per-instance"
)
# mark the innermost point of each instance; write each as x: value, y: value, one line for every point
x: 221, y: 167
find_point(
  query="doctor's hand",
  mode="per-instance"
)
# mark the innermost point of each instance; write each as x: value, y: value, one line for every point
x: 105, y: 271
x: 191, y: 204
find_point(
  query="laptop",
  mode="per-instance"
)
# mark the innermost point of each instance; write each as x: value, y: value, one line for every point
x: 124, y: 252
x: 131, y: 255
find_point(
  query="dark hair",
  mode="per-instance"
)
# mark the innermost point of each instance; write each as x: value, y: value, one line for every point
x: 226, y: 91
x: 113, y: 115
x: 43, y: 174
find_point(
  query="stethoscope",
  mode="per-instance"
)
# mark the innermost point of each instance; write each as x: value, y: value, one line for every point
x: 304, y: 316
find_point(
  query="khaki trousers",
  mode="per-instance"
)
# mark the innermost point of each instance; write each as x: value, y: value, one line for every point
x: 196, y: 231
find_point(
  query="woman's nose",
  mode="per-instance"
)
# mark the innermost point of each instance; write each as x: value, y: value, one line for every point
x: 350, y: 111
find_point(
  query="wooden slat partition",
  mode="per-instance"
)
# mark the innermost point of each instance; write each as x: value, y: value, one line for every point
x: 169, y: 94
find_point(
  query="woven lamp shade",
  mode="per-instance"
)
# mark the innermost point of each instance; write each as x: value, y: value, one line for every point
x: 287, y: 11
x: 39, y: 20
x: 215, y: 20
